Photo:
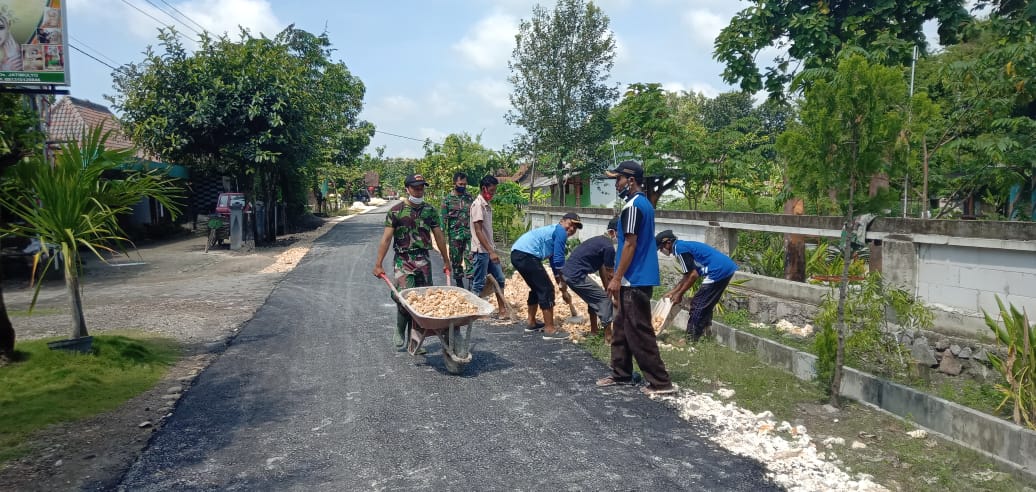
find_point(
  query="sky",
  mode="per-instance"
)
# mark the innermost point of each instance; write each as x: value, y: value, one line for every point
x: 430, y: 68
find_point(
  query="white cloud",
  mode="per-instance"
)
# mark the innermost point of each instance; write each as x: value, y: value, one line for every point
x: 439, y: 102
x: 488, y: 44
x: 674, y: 86
x: 494, y: 92
x: 226, y: 15
x: 704, y: 26
x: 397, y: 105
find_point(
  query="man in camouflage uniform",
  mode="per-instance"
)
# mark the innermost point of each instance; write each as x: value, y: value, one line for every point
x: 409, y: 228
x: 455, y: 212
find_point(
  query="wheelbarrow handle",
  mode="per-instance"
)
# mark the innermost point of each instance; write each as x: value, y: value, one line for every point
x: 389, y: 282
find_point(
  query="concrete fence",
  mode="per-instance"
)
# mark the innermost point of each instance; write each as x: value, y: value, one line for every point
x: 956, y: 267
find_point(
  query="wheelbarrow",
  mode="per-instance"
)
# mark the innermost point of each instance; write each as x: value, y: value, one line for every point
x: 454, y: 333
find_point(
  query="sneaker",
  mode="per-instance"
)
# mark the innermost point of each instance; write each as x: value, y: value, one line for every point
x: 650, y: 390
x: 535, y: 328
x: 557, y: 335
x: 612, y: 381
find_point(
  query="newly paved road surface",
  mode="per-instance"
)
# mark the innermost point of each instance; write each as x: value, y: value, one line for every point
x: 311, y: 396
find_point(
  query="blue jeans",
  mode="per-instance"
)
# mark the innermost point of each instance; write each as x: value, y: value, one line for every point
x: 481, y: 266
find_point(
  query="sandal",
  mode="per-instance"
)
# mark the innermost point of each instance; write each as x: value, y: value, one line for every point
x: 612, y: 381
x: 534, y: 328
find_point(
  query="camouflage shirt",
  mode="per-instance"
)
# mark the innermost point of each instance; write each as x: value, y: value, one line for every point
x: 412, y: 228
x: 455, y: 216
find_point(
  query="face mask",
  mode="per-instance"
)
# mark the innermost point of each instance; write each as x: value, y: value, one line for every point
x: 461, y: 189
x: 625, y: 192
x: 416, y: 201
x: 487, y: 195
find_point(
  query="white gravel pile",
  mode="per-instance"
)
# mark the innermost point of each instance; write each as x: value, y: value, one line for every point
x: 790, y: 455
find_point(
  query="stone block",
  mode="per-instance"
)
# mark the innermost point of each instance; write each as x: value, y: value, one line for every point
x: 950, y: 365
x: 923, y: 353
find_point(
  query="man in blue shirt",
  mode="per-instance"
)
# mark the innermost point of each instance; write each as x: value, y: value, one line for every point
x: 697, y: 260
x: 527, y: 256
x: 636, y: 275
x: 594, y: 255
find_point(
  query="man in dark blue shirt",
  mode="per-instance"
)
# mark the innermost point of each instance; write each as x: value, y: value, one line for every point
x: 594, y: 255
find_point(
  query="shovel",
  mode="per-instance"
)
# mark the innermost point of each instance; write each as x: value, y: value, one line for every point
x: 574, y: 317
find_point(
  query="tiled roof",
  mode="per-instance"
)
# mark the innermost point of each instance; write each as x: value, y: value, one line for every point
x: 70, y: 118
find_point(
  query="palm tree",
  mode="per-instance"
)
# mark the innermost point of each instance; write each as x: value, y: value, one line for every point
x: 75, y: 203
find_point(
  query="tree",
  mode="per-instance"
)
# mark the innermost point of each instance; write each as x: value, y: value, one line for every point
x: 458, y: 152
x: 559, y: 68
x: 848, y: 130
x: 76, y: 202
x: 810, y: 33
x: 19, y: 139
x: 262, y: 110
x: 645, y: 125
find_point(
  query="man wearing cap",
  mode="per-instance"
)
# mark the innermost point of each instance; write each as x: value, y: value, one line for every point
x: 455, y: 209
x: 527, y: 255
x: 409, y: 228
x: 594, y: 255
x: 697, y: 260
x: 636, y: 275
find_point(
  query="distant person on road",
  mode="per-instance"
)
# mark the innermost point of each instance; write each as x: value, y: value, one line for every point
x: 409, y: 228
x: 636, y: 275
x: 527, y: 255
x: 595, y: 255
x: 697, y: 260
x: 456, y: 208
x: 484, y: 260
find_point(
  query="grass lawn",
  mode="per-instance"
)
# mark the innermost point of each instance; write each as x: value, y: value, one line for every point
x: 44, y: 387
x: 896, y: 460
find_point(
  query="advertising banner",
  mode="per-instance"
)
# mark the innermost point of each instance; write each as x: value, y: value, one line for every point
x: 33, y: 42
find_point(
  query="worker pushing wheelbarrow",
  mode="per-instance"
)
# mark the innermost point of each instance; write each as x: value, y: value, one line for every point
x: 454, y: 332
x: 410, y: 226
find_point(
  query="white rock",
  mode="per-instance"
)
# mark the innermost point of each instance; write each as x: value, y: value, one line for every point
x: 725, y: 393
x: 857, y: 445
x: 918, y: 434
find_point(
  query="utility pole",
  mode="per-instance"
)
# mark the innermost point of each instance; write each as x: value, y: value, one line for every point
x: 906, y: 178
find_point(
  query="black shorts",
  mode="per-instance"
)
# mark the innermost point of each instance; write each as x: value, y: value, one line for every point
x: 541, y: 289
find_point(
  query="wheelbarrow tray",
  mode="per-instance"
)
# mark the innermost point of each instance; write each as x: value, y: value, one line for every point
x: 432, y: 323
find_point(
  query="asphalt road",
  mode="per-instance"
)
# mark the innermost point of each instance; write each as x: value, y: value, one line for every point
x: 312, y: 396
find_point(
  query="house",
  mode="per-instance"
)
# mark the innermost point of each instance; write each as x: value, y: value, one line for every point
x: 71, y: 118
x: 581, y: 190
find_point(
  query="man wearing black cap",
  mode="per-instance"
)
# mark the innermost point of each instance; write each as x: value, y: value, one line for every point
x: 594, y: 255
x: 697, y: 260
x: 636, y: 275
x: 409, y: 228
x: 527, y: 255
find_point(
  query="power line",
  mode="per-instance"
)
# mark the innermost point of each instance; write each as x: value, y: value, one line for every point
x: 185, y: 16
x: 403, y: 136
x: 98, y: 60
x: 95, y: 50
x: 184, y: 24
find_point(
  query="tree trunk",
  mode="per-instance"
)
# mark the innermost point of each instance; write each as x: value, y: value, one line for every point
x: 843, y: 287
x: 794, y: 246
x: 75, y: 298
x: 6, y: 328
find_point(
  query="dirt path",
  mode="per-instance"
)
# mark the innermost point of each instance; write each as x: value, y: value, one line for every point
x: 174, y: 289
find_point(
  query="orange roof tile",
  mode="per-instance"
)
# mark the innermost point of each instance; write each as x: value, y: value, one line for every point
x: 70, y: 118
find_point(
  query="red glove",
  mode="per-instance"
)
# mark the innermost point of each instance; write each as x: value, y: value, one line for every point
x: 446, y: 271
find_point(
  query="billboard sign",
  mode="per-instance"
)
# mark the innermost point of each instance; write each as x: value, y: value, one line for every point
x: 33, y: 42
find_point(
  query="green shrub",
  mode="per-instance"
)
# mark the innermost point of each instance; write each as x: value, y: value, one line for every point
x: 1019, y: 366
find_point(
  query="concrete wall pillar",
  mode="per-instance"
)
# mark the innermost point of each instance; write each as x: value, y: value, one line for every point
x: 899, y: 263
x: 721, y: 238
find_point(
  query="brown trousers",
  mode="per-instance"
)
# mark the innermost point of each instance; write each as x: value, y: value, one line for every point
x: 633, y: 337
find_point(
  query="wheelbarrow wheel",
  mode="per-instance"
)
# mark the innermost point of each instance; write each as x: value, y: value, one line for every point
x: 452, y: 366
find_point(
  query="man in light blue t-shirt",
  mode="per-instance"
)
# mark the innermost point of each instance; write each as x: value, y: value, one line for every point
x: 527, y: 255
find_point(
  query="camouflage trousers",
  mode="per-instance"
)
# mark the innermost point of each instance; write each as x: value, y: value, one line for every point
x: 460, y: 261
x: 410, y: 271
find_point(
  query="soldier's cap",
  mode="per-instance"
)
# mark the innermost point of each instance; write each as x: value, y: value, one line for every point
x: 629, y: 169
x: 415, y: 180
x: 664, y: 236
x: 574, y: 217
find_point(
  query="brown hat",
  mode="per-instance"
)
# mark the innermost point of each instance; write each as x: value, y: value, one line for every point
x: 574, y: 217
